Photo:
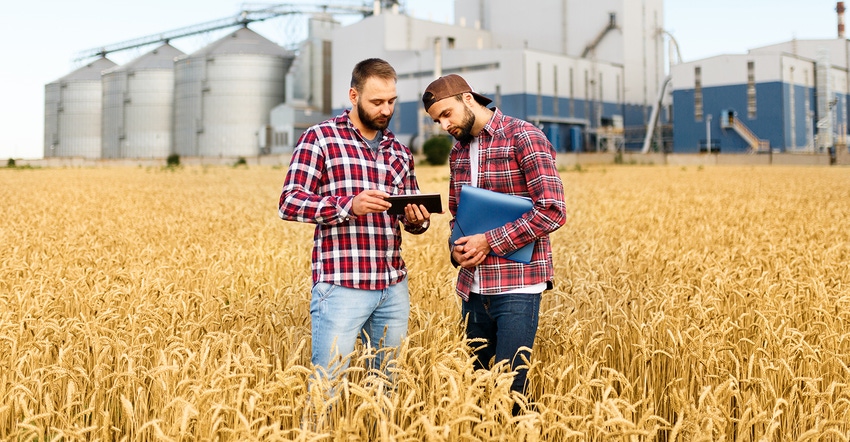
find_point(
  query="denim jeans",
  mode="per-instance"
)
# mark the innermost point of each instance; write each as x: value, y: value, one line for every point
x: 340, y: 314
x: 507, y: 323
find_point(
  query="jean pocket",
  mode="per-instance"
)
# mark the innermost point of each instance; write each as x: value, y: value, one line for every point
x: 322, y: 291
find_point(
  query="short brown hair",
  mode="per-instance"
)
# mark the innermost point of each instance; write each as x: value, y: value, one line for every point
x: 371, y: 67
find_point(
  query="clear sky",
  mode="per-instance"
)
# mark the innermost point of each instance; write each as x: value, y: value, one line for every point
x: 39, y: 39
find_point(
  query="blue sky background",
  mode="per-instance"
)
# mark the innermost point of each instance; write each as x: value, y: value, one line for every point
x: 39, y: 39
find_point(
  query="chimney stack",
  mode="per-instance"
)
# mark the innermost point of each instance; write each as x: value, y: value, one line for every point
x: 839, y: 8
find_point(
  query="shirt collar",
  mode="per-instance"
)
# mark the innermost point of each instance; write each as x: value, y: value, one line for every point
x: 495, y: 122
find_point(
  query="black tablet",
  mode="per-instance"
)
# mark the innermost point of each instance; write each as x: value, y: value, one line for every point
x: 431, y: 201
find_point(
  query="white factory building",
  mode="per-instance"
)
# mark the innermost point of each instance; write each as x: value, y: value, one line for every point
x: 586, y: 72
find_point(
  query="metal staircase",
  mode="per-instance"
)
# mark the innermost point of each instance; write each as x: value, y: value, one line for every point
x: 730, y: 120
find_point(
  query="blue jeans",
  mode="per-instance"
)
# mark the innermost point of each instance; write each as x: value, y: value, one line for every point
x: 506, y: 323
x: 340, y: 314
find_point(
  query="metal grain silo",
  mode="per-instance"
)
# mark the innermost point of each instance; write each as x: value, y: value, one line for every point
x: 72, y: 112
x: 224, y: 94
x: 138, y: 106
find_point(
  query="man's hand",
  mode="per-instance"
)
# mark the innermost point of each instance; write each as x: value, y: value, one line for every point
x: 416, y: 214
x: 370, y: 201
x: 470, y: 251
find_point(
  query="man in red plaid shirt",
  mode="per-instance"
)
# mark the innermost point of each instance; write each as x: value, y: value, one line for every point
x: 501, y: 298
x: 341, y: 171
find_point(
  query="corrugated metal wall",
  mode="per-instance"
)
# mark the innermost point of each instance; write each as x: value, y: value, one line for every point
x: 138, y: 106
x: 73, y: 112
x: 224, y: 94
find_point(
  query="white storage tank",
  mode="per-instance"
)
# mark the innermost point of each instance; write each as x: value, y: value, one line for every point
x: 224, y: 94
x: 138, y: 106
x: 72, y: 112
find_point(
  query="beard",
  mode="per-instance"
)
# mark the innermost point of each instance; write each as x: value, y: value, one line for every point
x: 378, y: 123
x: 464, y: 129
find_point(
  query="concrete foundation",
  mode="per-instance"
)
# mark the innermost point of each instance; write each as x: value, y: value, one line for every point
x: 564, y: 160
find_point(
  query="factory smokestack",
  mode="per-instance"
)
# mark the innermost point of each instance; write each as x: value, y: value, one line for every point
x: 839, y: 8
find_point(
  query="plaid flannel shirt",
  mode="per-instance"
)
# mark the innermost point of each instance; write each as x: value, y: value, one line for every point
x: 514, y: 158
x: 330, y: 165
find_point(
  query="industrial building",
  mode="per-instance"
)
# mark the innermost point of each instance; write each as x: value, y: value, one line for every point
x: 788, y: 97
x: 308, y: 83
x: 588, y: 73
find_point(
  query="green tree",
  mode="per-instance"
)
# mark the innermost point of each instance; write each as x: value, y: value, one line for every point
x: 437, y: 149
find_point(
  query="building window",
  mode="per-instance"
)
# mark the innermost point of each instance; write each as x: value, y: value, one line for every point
x: 792, y: 104
x: 556, y: 98
x: 619, y: 98
x: 751, y: 90
x: 586, y: 95
x: 572, y: 95
x: 280, y: 138
x: 698, y: 109
x: 327, y: 63
x: 600, y: 104
x: 807, y: 105
x: 539, y: 89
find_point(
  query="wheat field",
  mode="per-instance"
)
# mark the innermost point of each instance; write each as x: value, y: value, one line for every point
x: 690, y: 304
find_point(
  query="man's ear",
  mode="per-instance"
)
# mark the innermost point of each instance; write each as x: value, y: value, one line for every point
x: 352, y: 96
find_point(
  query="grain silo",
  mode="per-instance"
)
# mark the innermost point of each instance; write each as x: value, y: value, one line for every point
x: 224, y: 94
x: 72, y: 112
x: 138, y: 103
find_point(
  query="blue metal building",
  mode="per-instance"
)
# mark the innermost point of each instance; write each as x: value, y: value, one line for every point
x: 789, y: 97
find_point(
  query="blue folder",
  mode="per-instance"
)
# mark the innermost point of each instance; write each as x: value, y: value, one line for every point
x: 480, y: 210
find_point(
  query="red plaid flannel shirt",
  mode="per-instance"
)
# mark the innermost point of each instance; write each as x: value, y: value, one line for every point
x: 514, y: 158
x: 330, y: 165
